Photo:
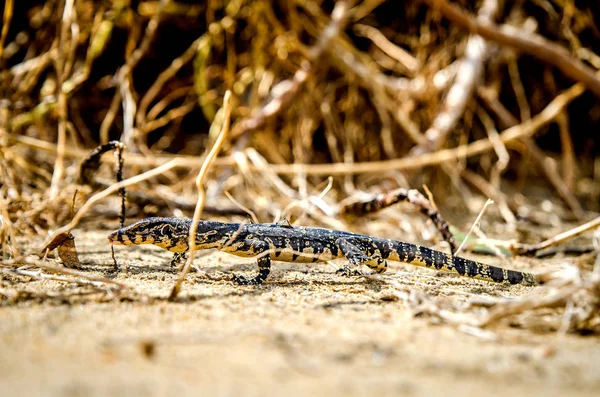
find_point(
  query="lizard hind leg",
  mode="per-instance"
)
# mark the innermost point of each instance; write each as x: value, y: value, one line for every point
x: 264, y: 262
x: 357, y: 257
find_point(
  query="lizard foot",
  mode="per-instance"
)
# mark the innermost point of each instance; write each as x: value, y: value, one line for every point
x: 177, y: 258
x: 349, y: 271
x: 241, y: 280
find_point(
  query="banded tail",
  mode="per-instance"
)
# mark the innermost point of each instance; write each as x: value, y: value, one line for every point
x: 425, y: 257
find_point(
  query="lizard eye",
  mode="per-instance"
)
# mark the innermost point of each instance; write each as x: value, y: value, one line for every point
x: 166, y: 230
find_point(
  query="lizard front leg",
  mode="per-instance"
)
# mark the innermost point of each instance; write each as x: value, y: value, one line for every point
x: 177, y: 257
x: 357, y: 257
x: 260, y: 249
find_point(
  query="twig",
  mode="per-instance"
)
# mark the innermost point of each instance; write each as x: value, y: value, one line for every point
x: 125, y: 92
x: 549, y: 169
x: 507, y: 209
x: 569, y: 174
x: 499, y: 148
x: 519, y: 90
x: 61, y: 70
x: 474, y: 225
x: 531, y: 249
x: 66, y: 271
x: 412, y: 64
x: 305, y: 201
x: 119, y: 177
x: 41, y: 276
x: 90, y: 164
x: 165, y: 76
x: 242, y: 207
x: 413, y: 196
x: 578, y: 250
x: 469, y: 73
x: 171, y: 115
x: 529, y: 43
x: 165, y: 101
x: 8, y: 13
x: 202, y: 194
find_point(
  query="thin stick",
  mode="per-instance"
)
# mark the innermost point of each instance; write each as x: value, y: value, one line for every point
x: 405, y: 58
x: 8, y: 12
x: 43, y: 276
x: 201, y: 192
x: 530, y: 249
x: 59, y: 165
x: 507, y: 209
x: 426, y: 206
x: 111, y: 114
x: 242, y: 207
x: 64, y: 270
x: 475, y: 224
x: 126, y: 80
x: 122, y: 192
x: 569, y: 162
x: 114, y: 258
x: 164, y: 77
x: 551, y: 172
x: 61, y: 66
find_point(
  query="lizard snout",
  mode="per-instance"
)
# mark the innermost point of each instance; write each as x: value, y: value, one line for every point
x: 116, y: 237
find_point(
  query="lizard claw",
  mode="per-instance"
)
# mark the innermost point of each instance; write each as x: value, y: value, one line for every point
x: 241, y: 280
x: 349, y: 271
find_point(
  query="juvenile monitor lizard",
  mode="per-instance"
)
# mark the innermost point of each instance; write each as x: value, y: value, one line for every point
x: 284, y: 242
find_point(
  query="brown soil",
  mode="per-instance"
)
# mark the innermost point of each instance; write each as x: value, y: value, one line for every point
x: 306, y: 331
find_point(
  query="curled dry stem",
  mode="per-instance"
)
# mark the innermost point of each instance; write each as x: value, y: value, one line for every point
x: 214, y: 151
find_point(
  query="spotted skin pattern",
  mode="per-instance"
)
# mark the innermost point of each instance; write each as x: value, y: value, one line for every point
x: 286, y: 243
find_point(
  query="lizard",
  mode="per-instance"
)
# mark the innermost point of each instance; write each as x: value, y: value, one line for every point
x: 283, y: 242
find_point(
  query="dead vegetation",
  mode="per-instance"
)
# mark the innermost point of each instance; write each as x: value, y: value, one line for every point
x: 329, y: 104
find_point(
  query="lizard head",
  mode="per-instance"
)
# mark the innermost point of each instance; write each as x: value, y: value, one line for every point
x: 168, y: 233
x: 146, y: 231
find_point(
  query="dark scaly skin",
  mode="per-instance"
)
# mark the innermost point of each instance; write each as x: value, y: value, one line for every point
x: 283, y: 242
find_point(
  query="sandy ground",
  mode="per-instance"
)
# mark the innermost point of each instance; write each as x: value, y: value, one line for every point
x: 305, y: 331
